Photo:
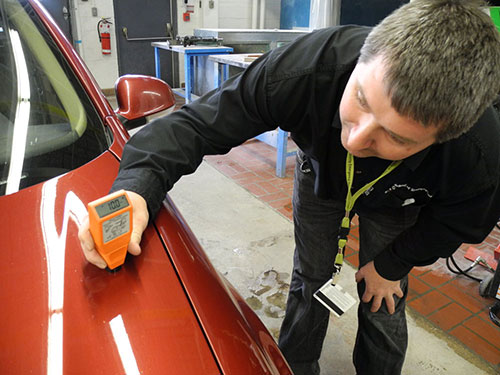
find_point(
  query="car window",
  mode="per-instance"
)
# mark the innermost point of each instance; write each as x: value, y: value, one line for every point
x: 48, y: 125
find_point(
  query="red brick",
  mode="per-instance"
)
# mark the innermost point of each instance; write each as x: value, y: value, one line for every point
x: 214, y: 158
x: 254, y: 189
x: 269, y: 187
x: 462, y: 298
x: 411, y: 295
x: 273, y: 197
x: 354, y: 232
x: 436, y: 277
x: 238, y: 154
x: 353, y: 242
x: 355, y: 220
x: 286, y: 213
x: 244, y: 157
x: 477, y: 344
x: 349, y: 251
x: 263, y: 173
x: 248, y: 180
x: 486, y: 330
x: 285, y: 185
x: 449, y: 316
x: 491, y: 241
x: 353, y: 260
x: 279, y: 203
x: 227, y: 170
x: 417, y: 285
x: 468, y: 286
x: 417, y: 271
x: 266, y: 174
x: 429, y: 302
x: 258, y: 164
x: 240, y: 176
x: 238, y: 167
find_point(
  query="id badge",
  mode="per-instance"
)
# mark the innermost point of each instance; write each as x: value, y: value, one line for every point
x: 334, y: 298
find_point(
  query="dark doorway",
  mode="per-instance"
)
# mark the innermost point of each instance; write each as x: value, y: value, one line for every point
x: 367, y: 12
x: 62, y: 13
x: 137, y: 24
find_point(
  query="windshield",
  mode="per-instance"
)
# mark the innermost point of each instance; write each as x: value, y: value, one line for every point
x: 48, y: 125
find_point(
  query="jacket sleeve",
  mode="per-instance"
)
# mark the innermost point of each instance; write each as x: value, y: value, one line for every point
x: 174, y: 145
x: 440, y: 229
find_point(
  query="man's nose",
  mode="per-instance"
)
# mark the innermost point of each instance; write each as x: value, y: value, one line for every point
x: 361, y: 134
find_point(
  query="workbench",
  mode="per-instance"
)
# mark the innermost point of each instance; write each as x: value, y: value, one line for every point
x: 275, y: 138
x: 190, y: 53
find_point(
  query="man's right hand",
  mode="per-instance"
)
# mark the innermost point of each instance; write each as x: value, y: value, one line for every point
x: 139, y: 223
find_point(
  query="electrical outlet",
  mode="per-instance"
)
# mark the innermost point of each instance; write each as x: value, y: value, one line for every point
x: 94, y: 12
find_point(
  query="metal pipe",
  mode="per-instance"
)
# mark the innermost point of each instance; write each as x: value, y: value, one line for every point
x: 255, y: 7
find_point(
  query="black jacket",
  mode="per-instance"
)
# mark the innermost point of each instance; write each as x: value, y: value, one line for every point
x: 454, y: 186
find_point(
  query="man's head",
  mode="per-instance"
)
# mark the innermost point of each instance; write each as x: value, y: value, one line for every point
x: 439, y: 66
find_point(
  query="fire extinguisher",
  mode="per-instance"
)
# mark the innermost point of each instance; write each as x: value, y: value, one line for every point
x: 103, y: 30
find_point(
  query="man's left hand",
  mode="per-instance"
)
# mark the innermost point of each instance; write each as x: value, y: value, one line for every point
x: 378, y: 288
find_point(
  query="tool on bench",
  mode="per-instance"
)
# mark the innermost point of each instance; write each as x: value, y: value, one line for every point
x: 190, y: 40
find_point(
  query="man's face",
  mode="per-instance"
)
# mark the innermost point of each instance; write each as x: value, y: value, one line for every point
x: 370, y: 126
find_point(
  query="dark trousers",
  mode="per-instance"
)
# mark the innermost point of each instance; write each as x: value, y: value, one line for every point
x: 382, y: 338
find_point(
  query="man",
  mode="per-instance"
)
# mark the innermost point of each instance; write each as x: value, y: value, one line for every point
x: 415, y: 89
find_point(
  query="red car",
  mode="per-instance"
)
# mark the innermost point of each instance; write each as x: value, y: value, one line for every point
x: 165, y: 312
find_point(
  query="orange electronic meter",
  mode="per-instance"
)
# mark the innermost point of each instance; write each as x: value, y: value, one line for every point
x: 110, y: 221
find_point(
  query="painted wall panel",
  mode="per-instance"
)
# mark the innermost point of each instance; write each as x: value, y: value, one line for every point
x: 294, y: 13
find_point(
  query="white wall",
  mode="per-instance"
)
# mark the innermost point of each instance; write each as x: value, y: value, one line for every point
x: 103, y: 67
x: 273, y: 11
x: 237, y: 14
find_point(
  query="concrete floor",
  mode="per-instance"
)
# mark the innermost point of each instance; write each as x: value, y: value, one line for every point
x: 252, y: 245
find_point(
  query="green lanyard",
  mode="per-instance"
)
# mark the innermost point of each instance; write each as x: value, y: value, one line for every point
x: 349, y: 204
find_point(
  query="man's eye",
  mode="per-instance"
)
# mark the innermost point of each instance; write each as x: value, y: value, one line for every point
x: 399, y: 141
x: 361, y: 100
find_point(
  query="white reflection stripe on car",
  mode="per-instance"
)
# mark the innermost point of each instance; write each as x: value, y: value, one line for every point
x: 55, y: 251
x: 123, y: 345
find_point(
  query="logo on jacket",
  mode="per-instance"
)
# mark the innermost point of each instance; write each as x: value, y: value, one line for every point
x: 409, y: 195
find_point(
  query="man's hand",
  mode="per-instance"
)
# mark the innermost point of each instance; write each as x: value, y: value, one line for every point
x: 378, y: 288
x: 139, y: 223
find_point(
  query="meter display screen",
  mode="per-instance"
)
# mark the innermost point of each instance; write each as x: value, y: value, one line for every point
x: 111, y: 206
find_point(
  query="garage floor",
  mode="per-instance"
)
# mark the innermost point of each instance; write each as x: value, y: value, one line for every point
x: 252, y: 245
x: 450, y: 304
x: 240, y: 212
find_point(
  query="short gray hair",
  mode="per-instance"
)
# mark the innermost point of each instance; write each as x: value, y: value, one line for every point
x: 442, y: 60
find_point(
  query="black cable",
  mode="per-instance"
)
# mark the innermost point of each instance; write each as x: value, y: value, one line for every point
x: 495, y: 309
x: 459, y: 271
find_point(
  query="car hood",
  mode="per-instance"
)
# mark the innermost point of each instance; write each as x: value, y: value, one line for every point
x: 61, y: 315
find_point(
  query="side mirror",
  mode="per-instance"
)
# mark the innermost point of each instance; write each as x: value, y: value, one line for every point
x: 139, y: 96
